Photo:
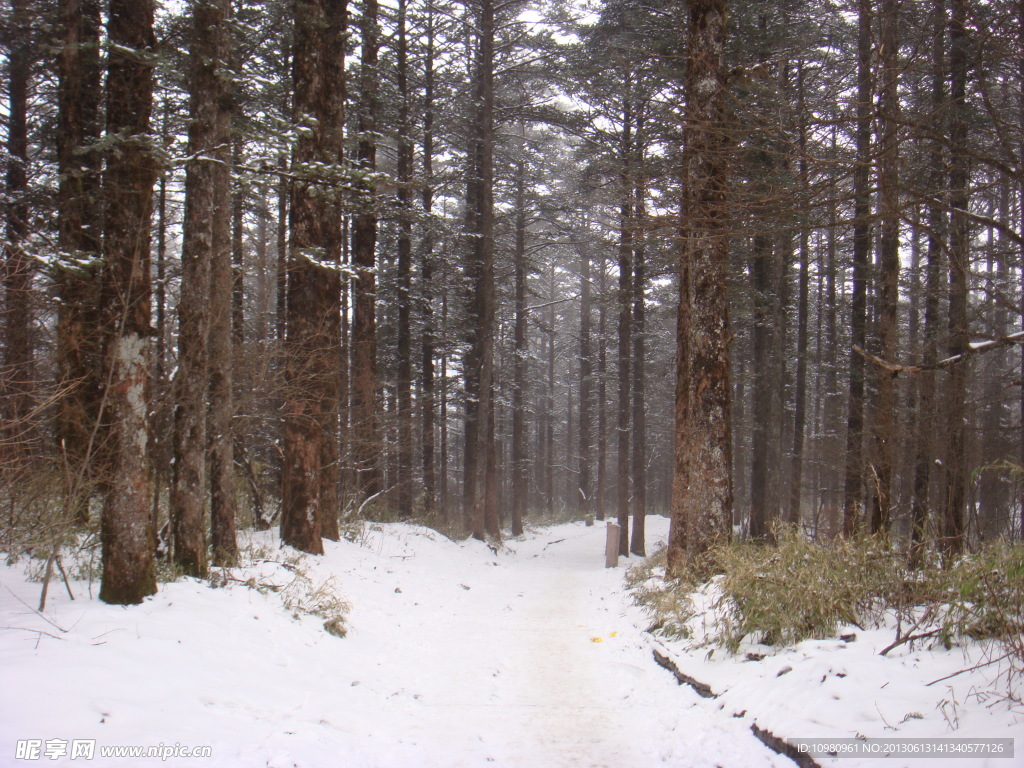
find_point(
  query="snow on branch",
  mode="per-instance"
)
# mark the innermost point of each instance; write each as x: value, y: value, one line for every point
x: 974, y: 349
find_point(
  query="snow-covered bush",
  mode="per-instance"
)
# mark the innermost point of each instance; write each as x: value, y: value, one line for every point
x: 268, y: 568
x: 801, y: 589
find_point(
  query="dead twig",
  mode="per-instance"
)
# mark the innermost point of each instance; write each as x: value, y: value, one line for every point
x: 988, y: 663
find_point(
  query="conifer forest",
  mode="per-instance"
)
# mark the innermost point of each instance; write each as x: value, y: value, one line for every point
x: 340, y: 340
x: 285, y: 264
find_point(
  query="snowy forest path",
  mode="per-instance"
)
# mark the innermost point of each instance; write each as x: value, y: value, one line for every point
x: 534, y: 658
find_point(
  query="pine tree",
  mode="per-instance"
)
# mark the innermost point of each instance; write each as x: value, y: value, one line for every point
x: 127, y: 534
x: 702, y: 481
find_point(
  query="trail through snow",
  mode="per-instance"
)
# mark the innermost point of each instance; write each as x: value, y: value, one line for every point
x: 535, y: 659
x: 457, y: 657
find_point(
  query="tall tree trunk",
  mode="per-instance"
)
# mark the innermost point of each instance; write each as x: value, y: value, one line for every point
x: 17, y: 385
x: 547, y: 434
x: 638, y: 502
x: 952, y: 536
x: 793, y: 515
x: 162, y: 426
x: 309, y: 480
x: 702, y: 479
x: 127, y: 535
x: 366, y: 445
x: 520, y: 487
x: 853, y: 488
x: 427, y: 276
x: 585, y: 485
x: 768, y: 336
x: 832, y: 412
x: 224, y: 284
x: 332, y: 364
x: 768, y: 269
x: 79, y: 238
x: 889, y: 245
x: 404, y: 341
x: 471, y: 278
x: 281, y: 307
x: 202, y: 245
x: 602, y: 388
x: 442, y: 447
x: 625, y: 321
x: 484, y: 511
x: 237, y: 246
x: 1020, y: 224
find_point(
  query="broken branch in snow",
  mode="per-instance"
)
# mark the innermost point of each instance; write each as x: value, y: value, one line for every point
x: 766, y: 737
x: 908, y: 639
x: 988, y: 663
x: 37, y: 631
x: 40, y: 614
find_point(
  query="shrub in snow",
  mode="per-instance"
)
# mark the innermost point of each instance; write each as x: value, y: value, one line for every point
x: 801, y: 589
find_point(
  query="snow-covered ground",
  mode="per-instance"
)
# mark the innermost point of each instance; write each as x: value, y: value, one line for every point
x: 456, y: 655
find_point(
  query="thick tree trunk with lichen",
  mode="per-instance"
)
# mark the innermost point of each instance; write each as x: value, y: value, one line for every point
x: 127, y: 535
x: 702, y: 480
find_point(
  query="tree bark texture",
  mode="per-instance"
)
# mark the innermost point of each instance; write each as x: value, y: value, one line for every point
x: 312, y: 338
x: 127, y: 535
x: 201, y: 241
x: 225, y: 292
x: 484, y: 514
x: 702, y: 479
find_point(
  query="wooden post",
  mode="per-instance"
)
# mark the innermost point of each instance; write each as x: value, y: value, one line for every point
x: 611, y: 546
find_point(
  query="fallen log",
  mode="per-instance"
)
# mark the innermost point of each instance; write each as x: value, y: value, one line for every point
x: 769, y: 739
x: 703, y: 690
